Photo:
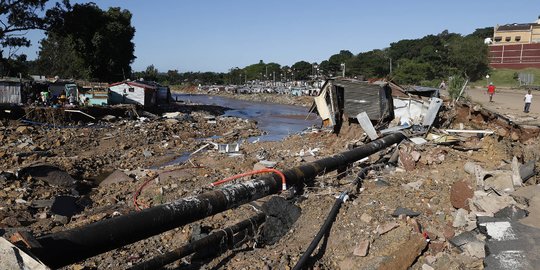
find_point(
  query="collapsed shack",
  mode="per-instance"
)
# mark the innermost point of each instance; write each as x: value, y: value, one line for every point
x: 407, y: 193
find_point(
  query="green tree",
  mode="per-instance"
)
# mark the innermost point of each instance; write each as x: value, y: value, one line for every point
x: 16, y: 18
x: 411, y: 71
x: 335, y: 61
x: 101, y: 40
x: 486, y: 32
x: 469, y: 57
x: 302, y: 70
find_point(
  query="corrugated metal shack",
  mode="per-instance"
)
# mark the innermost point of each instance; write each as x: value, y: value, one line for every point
x: 10, y: 91
x: 341, y: 97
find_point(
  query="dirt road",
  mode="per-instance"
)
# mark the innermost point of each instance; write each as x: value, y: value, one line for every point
x: 508, y: 102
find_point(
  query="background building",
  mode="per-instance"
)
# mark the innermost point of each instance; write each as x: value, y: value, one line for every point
x: 515, y: 46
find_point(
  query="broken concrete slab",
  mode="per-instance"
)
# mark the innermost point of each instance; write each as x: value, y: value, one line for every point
x: 463, y: 238
x: 491, y: 203
x: 49, y: 174
x: 477, y: 171
x: 14, y: 258
x: 264, y: 164
x: 361, y: 249
x: 510, y: 244
x: 527, y: 170
x: 524, y: 194
x: 501, y: 181
x: 461, y: 218
x: 116, y: 176
x: 405, y: 211
x: 460, y: 194
x: 516, y: 177
x: 533, y: 219
x: 474, y: 249
x: 511, y: 212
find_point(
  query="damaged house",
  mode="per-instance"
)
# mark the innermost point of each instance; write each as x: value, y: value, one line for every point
x: 10, y: 91
x: 147, y: 94
x: 347, y: 98
x: 383, y: 103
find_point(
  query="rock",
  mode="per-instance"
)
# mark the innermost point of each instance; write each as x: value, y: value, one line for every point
x: 413, y: 185
x: 386, y: 227
x: 147, y: 153
x: 48, y: 173
x: 42, y: 203
x: 415, y: 156
x: 405, y: 255
x: 460, y: 220
x: 475, y: 249
x: 435, y: 247
x: 449, y: 232
x: 460, y: 194
x: 171, y: 121
x: 24, y: 130
x: 116, y: 176
x: 366, y: 218
x: 381, y: 183
x: 264, y: 164
x: 109, y: 118
x: 361, y: 248
x: 427, y: 267
x: 405, y: 211
x: 61, y: 219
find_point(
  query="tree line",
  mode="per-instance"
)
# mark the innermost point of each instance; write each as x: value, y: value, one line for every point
x: 85, y: 42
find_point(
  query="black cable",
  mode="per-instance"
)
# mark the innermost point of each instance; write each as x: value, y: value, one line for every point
x: 325, y: 227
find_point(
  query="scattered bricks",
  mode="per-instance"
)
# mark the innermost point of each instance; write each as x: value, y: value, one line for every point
x: 361, y: 248
x: 406, y: 255
x: 406, y: 160
x: 460, y: 194
x: 386, y: 227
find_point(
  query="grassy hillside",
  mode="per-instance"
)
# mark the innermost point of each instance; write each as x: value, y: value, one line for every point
x: 505, y: 77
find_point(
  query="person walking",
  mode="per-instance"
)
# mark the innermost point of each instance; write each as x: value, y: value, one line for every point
x: 491, y: 91
x: 528, y: 99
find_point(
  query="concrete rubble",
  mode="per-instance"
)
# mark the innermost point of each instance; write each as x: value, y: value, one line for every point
x: 440, y: 201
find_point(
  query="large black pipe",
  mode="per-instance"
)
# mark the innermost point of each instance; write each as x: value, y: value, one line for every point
x: 249, y: 226
x: 70, y: 246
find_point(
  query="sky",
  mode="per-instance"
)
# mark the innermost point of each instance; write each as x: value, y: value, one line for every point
x: 205, y: 35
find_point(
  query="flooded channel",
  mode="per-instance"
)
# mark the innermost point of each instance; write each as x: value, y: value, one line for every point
x: 276, y: 120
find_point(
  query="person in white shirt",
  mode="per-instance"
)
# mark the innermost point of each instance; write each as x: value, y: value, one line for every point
x: 528, y: 99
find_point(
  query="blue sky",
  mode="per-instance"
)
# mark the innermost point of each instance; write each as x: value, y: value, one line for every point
x: 204, y: 35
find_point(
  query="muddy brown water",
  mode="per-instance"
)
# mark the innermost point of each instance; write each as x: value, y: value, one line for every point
x: 276, y: 120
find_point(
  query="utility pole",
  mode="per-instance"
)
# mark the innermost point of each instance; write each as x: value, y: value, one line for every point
x: 390, y: 65
x: 343, y: 66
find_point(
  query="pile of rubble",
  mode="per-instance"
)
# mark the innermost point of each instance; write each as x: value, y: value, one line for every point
x: 439, y: 200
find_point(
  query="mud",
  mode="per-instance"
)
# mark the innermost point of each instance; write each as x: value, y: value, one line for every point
x: 135, y: 146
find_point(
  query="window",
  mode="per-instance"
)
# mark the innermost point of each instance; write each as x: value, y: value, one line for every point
x: 498, y: 39
x: 131, y: 89
x: 508, y: 39
x: 517, y: 38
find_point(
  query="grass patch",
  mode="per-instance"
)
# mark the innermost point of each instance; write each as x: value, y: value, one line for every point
x: 507, y: 77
